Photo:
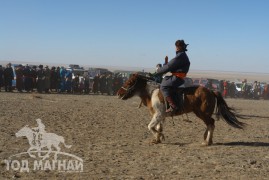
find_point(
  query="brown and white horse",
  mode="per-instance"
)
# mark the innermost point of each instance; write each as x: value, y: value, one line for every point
x: 198, y: 100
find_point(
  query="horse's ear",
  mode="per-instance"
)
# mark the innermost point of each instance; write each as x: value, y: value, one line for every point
x: 134, y: 75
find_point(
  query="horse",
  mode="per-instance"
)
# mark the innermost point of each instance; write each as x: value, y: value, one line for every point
x: 48, y: 140
x: 197, y: 99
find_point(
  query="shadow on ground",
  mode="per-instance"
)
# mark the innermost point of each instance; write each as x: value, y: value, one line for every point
x: 254, y: 144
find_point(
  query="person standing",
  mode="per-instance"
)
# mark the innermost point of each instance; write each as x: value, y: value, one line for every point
x: 225, y: 88
x: 76, y: 84
x: 221, y: 88
x: 47, y: 79
x: 244, y: 89
x: 95, y: 87
x: 86, y: 82
x: 27, y: 78
x: 109, y: 82
x: 232, y: 90
x: 68, y: 81
x: 58, y: 79
x: 102, y: 82
x: 53, y: 78
x: 62, y: 79
x: 33, y: 73
x: 1, y: 77
x: 259, y: 89
x: 8, y: 77
x: 19, y: 78
x: 40, y: 79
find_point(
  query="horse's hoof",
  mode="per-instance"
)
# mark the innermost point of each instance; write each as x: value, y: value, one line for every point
x: 154, y: 141
x: 162, y: 137
x: 205, y: 143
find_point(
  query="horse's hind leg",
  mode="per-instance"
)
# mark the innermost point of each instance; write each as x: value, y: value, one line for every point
x: 210, y: 126
x: 208, y: 135
x: 58, y: 150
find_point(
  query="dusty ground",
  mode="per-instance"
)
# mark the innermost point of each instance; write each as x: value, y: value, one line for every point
x: 112, y: 138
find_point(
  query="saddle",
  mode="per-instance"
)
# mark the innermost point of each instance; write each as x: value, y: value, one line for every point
x: 178, y: 98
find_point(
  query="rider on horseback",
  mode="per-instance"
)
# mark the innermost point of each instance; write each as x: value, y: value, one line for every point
x: 38, y: 132
x: 179, y: 67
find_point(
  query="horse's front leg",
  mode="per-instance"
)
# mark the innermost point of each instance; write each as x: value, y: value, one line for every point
x: 159, y: 128
x: 155, y: 127
x: 29, y: 152
x: 49, y: 151
x: 56, y: 145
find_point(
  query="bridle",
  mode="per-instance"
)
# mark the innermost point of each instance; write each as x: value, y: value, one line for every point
x: 131, y: 88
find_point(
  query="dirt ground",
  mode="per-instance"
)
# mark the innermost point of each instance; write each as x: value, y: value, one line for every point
x: 112, y: 138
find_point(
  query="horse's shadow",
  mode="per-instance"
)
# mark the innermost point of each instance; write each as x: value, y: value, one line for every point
x: 251, y: 144
x: 176, y: 144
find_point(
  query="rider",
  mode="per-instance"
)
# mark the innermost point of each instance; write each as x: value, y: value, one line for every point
x: 39, y: 131
x: 179, y: 67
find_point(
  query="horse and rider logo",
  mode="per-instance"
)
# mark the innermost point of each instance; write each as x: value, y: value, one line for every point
x: 42, y: 142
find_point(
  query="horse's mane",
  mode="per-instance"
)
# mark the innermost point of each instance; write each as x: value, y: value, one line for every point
x: 132, y: 79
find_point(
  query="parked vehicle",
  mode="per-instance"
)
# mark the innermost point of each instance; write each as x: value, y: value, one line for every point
x: 238, y: 86
x: 204, y: 82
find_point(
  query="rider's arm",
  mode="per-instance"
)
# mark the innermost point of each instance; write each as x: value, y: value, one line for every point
x: 179, y: 64
x: 172, y: 65
x: 166, y: 68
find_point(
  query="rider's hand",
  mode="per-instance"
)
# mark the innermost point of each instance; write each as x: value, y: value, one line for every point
x: 166, y: 60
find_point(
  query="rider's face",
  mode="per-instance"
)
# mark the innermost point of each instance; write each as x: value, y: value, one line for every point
x: 178, y: 48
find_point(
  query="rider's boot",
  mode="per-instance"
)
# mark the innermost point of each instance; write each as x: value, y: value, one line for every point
x: 173, y: 107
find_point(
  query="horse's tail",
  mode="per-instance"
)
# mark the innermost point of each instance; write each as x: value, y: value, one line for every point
x: 67, y: 146
x: 227, y: 113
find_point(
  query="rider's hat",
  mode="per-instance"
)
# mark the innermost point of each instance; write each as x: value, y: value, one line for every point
x: 181, y: 43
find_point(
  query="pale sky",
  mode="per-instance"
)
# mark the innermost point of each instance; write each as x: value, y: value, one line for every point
x: 230, y: 35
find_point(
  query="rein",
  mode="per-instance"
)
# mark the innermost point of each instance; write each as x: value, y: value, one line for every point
x: 130, y: 89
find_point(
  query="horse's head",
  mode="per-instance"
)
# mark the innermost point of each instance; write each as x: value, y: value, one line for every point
x: 134, y: 85
x: 23, y: 131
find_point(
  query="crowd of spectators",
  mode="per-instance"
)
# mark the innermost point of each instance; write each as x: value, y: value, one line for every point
x: 57, y: 79
x: 63, y: 80
x: 255, y: 90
